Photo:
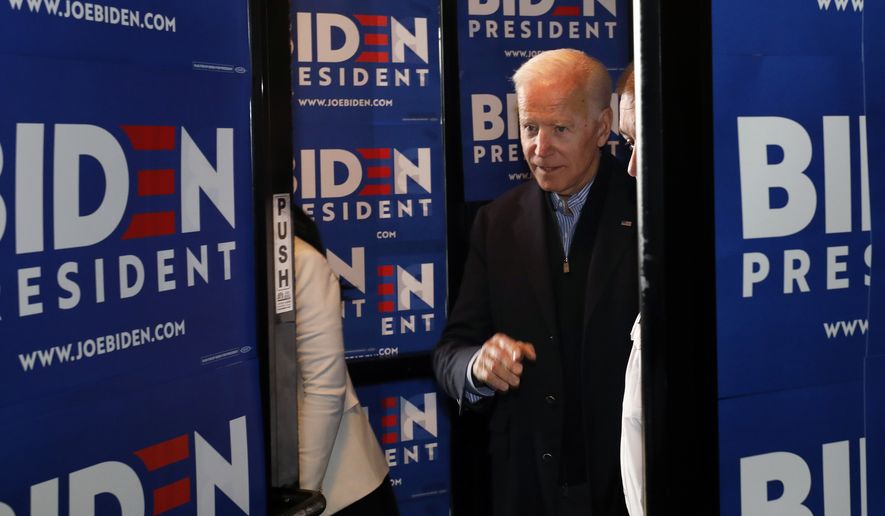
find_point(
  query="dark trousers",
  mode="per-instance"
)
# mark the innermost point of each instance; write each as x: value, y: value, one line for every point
x: 379, y: 502
x: 575, y: 501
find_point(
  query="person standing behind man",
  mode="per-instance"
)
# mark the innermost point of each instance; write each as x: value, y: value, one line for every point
x: 539, y: 334
x: 632, y: 425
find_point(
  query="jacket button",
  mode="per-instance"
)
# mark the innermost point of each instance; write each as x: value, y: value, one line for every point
x: 546, y: 457
x: 551, y: 400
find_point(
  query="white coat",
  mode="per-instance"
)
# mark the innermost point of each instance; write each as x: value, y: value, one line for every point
x: 338, y: 453
x: 633, y: 429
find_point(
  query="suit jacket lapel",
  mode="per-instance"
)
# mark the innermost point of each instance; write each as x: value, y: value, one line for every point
x: 532, y: 251
x: 616, y: 230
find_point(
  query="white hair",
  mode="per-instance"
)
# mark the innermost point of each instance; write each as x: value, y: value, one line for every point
x: 564, y: 66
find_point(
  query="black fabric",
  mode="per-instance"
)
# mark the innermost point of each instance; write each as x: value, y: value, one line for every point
x: 569, y: 292
x: 306, y: 229
x: 380, y: 502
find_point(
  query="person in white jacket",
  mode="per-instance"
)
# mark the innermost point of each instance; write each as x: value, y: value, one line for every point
x: 632, y: 423
x: 338, y: 453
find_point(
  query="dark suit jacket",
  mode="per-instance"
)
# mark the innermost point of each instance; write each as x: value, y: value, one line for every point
x: 507, y: 288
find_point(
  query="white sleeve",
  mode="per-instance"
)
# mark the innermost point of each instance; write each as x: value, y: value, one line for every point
x: 633, y: 430
x: 320, y: 355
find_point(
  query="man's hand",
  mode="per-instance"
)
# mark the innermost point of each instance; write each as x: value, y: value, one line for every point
x: 499, y: 364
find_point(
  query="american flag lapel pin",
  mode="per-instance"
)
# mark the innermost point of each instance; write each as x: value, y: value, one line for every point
x: 627, y: 223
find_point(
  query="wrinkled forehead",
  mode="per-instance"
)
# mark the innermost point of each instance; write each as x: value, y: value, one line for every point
x: 561, y: 81
x: 551, y: 98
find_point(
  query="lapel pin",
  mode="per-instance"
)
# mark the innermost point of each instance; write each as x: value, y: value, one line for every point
x: 627, y: 223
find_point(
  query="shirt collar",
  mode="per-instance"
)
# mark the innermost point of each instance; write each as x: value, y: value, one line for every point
x: 575, y: 201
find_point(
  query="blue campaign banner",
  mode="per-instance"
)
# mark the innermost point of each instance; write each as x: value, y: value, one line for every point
x: 494, y: 38
x: 368, y: 164
x: 126, y: 192
x: 193, y: 445
x: 373, y: 184
x: 799, y: 451
x: 793, y: 249
x: 393, y: 297
x: 377, y: 196
x: 874, y: 75
x: 374, y: 62
x: 126, y: 236
x: 792, y: 195
x: 163, y: 34
x: 874, y: 426
x: 411, y: 422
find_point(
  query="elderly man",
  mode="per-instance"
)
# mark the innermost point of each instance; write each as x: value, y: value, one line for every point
x: 539, y: 334
x: 632, y: 425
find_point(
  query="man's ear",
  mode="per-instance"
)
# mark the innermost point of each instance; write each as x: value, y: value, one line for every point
x: 605, y: 126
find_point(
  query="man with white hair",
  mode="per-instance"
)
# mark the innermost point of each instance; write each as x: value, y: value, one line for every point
x: 539, y: 334
x: 633, y: 424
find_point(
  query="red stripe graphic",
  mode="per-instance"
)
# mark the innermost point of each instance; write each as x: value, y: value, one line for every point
x: 374, y: 153
x: 385, y: 270
x: 388, y: 438
x: 385, y: 289
x: 373, y: 57
x: 151, y: 137
x: 171, y: 496
x: 368, y: 20
x: 385, y: 306
x: 387, y: 421
x: 156, y: 182
x: 376, y: 39
x: 164, y: 453
x: 377, y: 172
x: 375, y: 190
x: 151, y: 224
x: 567, y: 11
x: 389, y: 402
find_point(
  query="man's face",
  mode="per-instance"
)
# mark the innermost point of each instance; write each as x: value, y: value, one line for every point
x: 559, y: 138
x: 627, y: 128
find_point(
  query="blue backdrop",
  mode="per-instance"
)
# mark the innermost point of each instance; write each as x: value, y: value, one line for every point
x: 126, y: 237
x: 367, y: 132
x: 874, y: 387
x: 494, y: 39
x: 793, y: 220
x: 369, y: 164
x: 412, y: 424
